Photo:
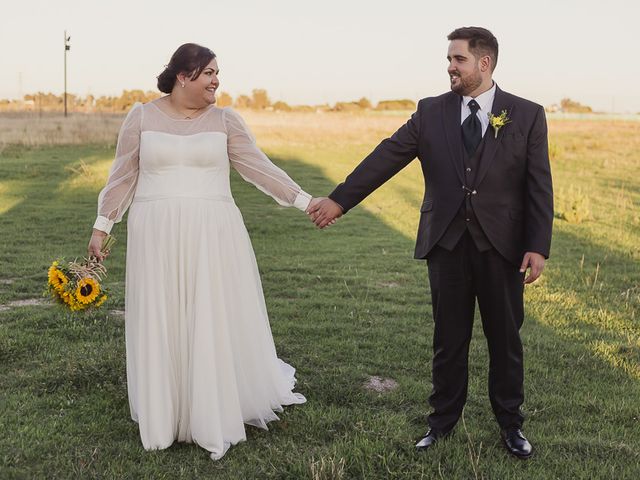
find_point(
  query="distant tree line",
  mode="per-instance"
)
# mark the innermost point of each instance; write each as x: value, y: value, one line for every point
x: 569, y: 106
x: 49, y: 102
x: 258, y: 100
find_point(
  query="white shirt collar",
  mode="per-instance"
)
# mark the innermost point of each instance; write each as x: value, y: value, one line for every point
x: 485, y: 100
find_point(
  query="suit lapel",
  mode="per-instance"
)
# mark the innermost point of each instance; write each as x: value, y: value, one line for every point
x: 491, y: 142
x: 453, y: 132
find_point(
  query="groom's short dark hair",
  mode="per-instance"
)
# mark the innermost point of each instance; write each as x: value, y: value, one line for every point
x: 481, y: 42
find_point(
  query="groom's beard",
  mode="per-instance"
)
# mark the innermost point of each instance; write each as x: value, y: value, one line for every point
x: 468, y: 84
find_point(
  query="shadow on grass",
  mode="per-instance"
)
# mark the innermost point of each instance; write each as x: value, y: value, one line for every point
x: 344, y: 303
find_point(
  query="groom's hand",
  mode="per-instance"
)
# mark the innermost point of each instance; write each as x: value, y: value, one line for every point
x: 536, y: 262
x: 324, y: 212
x: 313, y: 204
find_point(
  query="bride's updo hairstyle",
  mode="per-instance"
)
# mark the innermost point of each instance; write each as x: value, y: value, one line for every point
x: 189, y: 58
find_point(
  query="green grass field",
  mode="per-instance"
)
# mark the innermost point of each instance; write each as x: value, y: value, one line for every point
x: 345, y: 304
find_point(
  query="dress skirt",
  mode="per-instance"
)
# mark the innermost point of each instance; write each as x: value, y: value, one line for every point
x: 201, y: 361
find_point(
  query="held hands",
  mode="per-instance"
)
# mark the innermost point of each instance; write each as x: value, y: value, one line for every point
x: 536, y: 262
x: 323, y: 211
x: 95, y: 245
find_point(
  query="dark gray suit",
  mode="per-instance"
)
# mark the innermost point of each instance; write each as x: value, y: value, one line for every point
x: 509, y: 201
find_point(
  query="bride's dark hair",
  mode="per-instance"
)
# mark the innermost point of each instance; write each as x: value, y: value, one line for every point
x: 189, y: 58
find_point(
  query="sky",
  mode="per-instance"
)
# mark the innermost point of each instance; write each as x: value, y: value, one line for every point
x: 311, y: 52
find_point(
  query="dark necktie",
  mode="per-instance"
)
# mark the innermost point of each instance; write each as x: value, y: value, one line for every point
x: 472, y: 129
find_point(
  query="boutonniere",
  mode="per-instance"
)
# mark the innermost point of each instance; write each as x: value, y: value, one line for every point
x: 498, y: 121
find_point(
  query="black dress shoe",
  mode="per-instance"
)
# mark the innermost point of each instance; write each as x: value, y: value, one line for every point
x: 516, y: 443
x: 431, y: 437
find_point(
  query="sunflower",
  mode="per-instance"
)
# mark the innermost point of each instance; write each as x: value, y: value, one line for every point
x: 101, y: 300
x: 87, y: 291
x: 67, y: 297
x: 57, y: 279
x: 77, y: 306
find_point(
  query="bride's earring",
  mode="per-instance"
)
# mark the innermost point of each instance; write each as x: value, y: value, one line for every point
x: 182, y: 85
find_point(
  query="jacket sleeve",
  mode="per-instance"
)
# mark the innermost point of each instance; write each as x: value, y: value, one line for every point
x: 387, y: 159
x: 538, y: 189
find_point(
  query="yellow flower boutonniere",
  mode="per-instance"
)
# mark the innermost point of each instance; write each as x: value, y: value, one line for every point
x: 498, y: 121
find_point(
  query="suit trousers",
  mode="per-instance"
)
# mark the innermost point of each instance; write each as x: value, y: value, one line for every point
x: 458, y: 277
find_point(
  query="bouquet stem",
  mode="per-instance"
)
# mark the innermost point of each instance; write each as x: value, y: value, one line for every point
x: 107, y: 243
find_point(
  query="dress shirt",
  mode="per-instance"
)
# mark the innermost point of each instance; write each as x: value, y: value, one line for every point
x: 485, y: 100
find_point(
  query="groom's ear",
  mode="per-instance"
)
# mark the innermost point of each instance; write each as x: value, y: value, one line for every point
x: 485, y: 63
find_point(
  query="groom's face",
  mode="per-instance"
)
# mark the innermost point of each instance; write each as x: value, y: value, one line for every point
x: 464, y: 69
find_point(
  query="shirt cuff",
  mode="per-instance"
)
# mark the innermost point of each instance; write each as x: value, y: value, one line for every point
x: 302, y: 200
x: 103, y: 224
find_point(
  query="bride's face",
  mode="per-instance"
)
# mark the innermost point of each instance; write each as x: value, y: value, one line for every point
x: 204, y: 87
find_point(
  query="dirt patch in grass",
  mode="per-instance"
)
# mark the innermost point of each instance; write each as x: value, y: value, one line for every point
x: 380, y: 385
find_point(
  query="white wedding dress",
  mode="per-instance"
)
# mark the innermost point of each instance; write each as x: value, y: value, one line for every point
x: 201, y: 361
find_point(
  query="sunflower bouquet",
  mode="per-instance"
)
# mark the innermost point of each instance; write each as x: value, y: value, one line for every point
x: 77, y: 285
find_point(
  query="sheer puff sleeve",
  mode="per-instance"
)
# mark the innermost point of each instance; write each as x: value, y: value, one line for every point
x: 255, y: 167
x: 116, y: 196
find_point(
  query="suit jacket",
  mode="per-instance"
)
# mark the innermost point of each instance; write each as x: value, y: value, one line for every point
x: 513, y: 199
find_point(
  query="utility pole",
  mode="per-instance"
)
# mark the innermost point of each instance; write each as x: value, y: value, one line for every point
x: 67, y: 47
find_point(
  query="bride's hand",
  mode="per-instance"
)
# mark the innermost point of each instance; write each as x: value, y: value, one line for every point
x: 312, y: 205
x: 312, y: 209
x: 324, y: 211
x: 95, y: 244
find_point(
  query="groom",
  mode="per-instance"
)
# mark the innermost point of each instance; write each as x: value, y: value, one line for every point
x: 485, y: 220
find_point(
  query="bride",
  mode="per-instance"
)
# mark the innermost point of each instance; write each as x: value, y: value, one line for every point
x: 201, y: 361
